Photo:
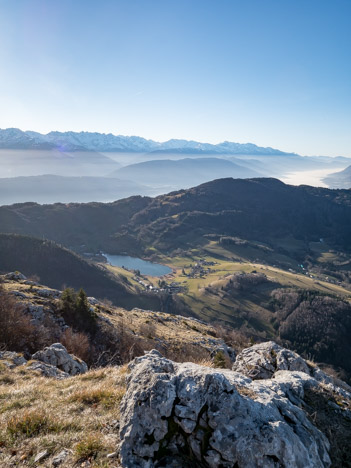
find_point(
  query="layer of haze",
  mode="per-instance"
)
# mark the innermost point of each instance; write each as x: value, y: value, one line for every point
x: 275, y: 73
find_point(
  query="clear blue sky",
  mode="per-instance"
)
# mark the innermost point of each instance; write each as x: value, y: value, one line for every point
x: 271, y: 72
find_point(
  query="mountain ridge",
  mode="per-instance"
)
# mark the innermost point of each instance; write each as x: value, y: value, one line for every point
x: 13, y: 138
x: 340, y: 179
x: 254, y: 209
x: 58, y: 266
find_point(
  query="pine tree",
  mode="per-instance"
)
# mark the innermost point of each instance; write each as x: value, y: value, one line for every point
x: 219, y: 360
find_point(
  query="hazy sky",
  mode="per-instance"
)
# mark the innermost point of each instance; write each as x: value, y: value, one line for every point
x: 271, y: 72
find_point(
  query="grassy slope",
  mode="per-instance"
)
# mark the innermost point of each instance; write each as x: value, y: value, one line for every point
x: 78, y: 414
x: 280, y: 225
x: 178, y: 337
x: 206, y: 300
x: 249, y: 309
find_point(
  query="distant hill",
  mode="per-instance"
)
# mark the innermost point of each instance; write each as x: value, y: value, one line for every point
x: 339, y: 180
x: 89, y: 141
x: 259, y: 226
x: 38, y: 161
x: 57, y: 266
x: 182, y: 173
x: 52, y: 188
x: 82, y: 227
x: 256, y: 209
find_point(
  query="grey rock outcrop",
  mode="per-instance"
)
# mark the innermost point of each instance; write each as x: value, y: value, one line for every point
x: 41, y: 456
x: 36, y: 312
x: 44, y: 292
x: 12, y: 359
x: 262, y: 360
x: 187, y: 415
x: 57, y: 355
x: 16, y: 276
x: 47, y: 370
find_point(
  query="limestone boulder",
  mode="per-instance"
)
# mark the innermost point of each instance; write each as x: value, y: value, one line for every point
x: 262, y: 360
x: 15, y: 276
x: 47, y: 370
x: 49, y: 293
x: 184, y: 415
x: 12, y: 359
x: 58, y: 356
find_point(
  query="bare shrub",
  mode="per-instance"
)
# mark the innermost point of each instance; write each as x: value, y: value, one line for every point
x: 186, y: 352
x: 34, y: 278
x: 116, y: 346
x: 16, y: 330
x: 76, y: 343
x: 132, y: 347
x: 233, y: 338
x: 148, y: 330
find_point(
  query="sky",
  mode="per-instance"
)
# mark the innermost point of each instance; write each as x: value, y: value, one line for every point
x: 271, y: 72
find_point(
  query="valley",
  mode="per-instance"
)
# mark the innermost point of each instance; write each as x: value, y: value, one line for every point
x: 263, y: 258
x: 227, y: 287
x: 175, y: 234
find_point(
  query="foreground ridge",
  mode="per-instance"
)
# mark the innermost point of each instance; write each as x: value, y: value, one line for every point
x: 184, y: 414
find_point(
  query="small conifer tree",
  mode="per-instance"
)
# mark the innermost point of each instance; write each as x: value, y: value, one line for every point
x: 219, y: 360
x: 76, y: 310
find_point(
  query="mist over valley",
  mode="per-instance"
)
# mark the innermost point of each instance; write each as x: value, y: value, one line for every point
x: 58, y: 168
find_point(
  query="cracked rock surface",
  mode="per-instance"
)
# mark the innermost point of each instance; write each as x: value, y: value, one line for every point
x: 264, y: 360
x: 56, y: 355
x: 186, y: 415
x: 261, y: 361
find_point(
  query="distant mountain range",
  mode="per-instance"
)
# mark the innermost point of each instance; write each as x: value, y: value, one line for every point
x: 339, y: 180
x: 13, y: 138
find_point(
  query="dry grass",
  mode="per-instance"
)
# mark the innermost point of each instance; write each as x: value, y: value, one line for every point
x: 89, y: 447
x: 205, y: 363
x: 102, y: 395
x: 30, y: 423
x: 247, y: 392
x: 79, y: 414
x: 128, y: 334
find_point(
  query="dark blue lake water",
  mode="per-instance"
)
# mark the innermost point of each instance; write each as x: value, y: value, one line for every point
x: 133, y: 263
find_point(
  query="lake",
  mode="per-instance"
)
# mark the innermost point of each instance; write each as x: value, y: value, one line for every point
x: 133, y: 263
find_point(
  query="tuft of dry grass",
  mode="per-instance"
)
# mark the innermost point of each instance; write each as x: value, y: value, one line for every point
x: 31, y: 423
x: 246, y: 391
x: 89, y: 447
x: 205, y: 362
x: 103, y: 395
x: 39, y: 413
x: 6, y: 379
